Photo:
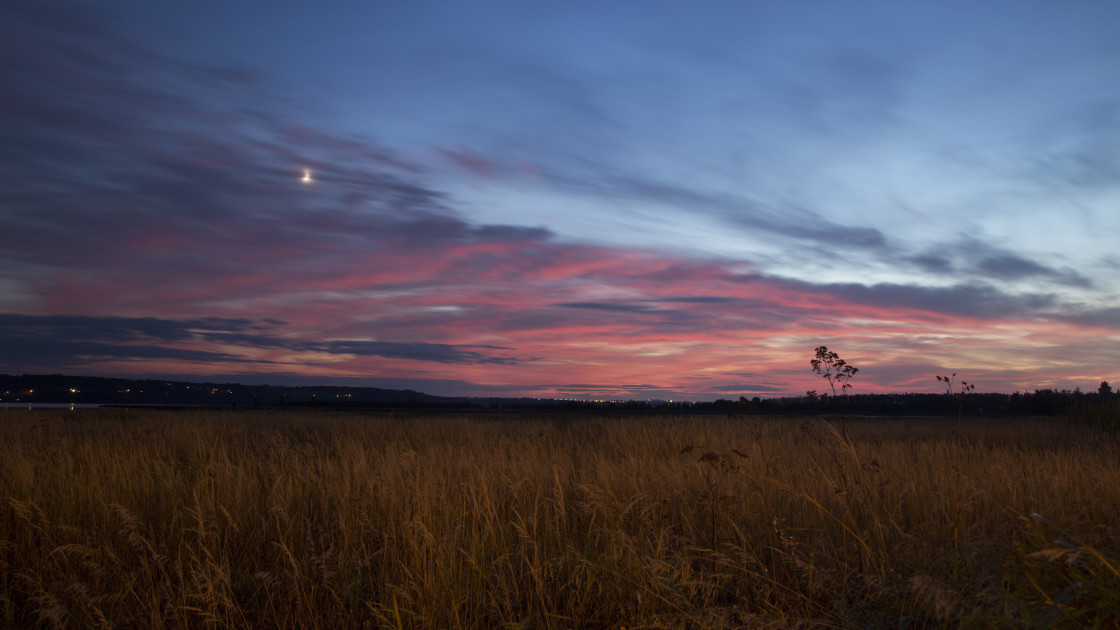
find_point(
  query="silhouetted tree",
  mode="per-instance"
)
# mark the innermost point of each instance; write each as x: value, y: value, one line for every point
x: 1105, y: 389
x: 835, y: 370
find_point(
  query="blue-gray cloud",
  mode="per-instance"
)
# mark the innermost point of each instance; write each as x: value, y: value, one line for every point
x: 601, y: 181
x: 1087, y: 316
x: 990, y: 263
x: 419, y: 351
x: 75, y: 341
x: 968, y: 300
x: 620, y: 307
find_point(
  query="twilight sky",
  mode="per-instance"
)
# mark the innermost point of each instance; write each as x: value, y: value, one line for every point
x: 579, y: 199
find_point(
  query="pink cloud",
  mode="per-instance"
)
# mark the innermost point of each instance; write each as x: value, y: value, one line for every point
x: 566, y: 313
x: 470, y: 161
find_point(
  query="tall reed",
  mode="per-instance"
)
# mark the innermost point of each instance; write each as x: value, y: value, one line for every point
x: 132, y: 519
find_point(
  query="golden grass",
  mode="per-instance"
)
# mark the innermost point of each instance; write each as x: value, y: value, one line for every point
x: 208, y: 519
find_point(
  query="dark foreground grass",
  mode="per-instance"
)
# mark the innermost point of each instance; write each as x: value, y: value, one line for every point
x: 145, y: 519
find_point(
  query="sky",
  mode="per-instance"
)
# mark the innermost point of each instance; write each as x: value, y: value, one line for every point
x: 625, y: 200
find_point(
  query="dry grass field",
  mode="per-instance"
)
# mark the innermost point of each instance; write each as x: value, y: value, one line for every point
x: 255, y: 519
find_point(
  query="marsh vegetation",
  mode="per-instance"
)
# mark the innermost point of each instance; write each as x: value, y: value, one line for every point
x: 221, y: 519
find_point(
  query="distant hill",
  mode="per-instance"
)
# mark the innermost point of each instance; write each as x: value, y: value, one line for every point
x: 57, y: 388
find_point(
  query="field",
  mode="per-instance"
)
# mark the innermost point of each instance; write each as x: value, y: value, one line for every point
x: 224, y: 519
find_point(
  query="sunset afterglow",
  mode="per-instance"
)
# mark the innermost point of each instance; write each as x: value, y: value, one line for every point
x: 590, y: 201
